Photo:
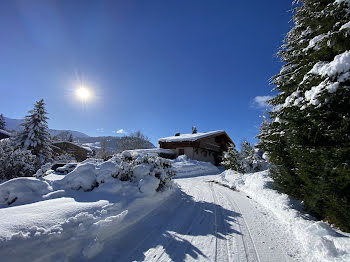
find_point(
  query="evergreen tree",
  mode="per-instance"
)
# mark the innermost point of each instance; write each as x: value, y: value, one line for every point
x: 35, y: 136
x: 308, y: 140
x: 247, y: 155
x: 194, y: 130
x: 15, y: 162
x: 232, y: 159
x: 2, y: 122
x: 70, y: 138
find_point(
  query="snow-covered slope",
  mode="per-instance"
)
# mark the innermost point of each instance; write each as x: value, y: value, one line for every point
x: 15, y: 124
x: 317, y: 241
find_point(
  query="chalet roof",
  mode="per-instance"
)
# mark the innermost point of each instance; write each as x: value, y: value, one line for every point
x: 71, y: 143
x: 193, y: 137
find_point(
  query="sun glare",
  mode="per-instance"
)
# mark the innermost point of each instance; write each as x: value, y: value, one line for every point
x: 83, y: 93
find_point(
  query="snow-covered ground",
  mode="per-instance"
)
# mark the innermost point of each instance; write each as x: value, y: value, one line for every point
x: 186, y: 167
x: 315, y: 240
x: 199, y: 218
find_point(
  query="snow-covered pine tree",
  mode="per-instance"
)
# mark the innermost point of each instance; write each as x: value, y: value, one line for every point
x: 2, y: 122
x: 35, y: 136
x: 247, y: 155
x: 70, y: 137
x: 232, y: 160
x: 15, y: 162
x: 308, y: 140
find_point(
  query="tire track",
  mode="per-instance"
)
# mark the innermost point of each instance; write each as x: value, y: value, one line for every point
x: 249, y: 245
x: 220, y: 246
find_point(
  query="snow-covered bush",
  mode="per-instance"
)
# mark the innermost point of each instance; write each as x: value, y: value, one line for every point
x: 23, y: 190
x: 149, y: 173
x: 67, y: 168
x: 15, y: 162
x: 133, y: 168
x: 43, y: 169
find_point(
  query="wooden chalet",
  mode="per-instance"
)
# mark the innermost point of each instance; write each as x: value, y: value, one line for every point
x: 80, y: 153
x: 207, y: 146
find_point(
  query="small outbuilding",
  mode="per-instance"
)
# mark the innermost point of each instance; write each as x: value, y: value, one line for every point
x: 208, y: 146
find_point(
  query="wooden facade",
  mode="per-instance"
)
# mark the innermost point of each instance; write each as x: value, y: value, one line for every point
x: 78, y: 152
x: 206, y: 148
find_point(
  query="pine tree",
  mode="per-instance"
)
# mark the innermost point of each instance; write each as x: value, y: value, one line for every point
x: 35, y: 136
x: 232, y: 160
x: 70, y: 138
x: 15, y: 162
x: 2, y: 122
x: 248, y: 157
x: 308, y: 140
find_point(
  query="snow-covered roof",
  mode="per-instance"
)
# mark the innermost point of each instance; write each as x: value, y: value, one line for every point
x: 83, y: 147
x: 190, y: 137
x: 5, y: 132
x: 151, y: 150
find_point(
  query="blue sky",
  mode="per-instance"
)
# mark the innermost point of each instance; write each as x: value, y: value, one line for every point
x: 158, y: 66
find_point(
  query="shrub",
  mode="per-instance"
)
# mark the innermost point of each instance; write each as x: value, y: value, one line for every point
x: 16, y: 162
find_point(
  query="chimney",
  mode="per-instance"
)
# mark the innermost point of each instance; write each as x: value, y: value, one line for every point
x: 177, y: 134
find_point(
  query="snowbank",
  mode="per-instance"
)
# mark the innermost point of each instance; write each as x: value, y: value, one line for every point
x: 325, y: 243
x: 71, y: 216
x: 186, y: 167
x: 23, y: 190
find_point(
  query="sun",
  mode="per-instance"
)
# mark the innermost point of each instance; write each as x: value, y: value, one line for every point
x: 83, y: 93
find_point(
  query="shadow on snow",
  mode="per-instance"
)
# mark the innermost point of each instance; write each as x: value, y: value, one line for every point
x: 167, y: 228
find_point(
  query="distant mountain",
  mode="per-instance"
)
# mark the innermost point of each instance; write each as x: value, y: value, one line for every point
x: 15, y: 125
x: 115, y: 144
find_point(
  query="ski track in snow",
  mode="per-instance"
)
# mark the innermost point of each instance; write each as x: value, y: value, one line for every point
x: 203, y: 221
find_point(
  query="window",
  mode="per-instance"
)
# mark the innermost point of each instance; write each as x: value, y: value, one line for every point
x: 181, y: 151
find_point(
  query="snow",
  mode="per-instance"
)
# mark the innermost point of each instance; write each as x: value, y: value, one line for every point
x: 96, y: 145
x: 156, y: 151
x: 75, y: 144
x: 23, y: 190
x: 345, y: 26
x: 317, y: 240
x: 294, y: 99
x: 340, y: 64
x: 186, y: 167
x: 199, y: 219
x: 340, y: 67
x: 75, y: 214
x: 313, y: 43
x: 312, y: 94
x: 190, y: 137
x: 5, y: 132
x: 342, y: 1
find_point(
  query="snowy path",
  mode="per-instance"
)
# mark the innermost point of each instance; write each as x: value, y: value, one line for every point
x: 203, y: 221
